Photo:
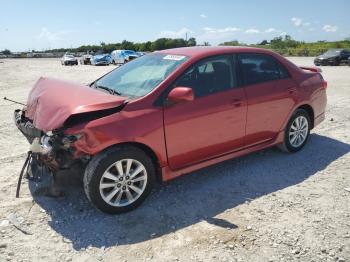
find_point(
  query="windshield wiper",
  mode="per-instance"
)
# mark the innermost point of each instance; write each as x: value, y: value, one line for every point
x: 110, y: 90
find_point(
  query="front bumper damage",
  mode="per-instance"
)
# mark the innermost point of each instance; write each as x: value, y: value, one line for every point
x: 53, y: 150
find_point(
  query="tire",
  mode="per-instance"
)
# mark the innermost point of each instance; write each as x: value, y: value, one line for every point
x: 96, y: 176
x: 289, y: 145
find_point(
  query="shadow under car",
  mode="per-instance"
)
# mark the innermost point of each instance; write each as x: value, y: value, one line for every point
x: 189, y: 199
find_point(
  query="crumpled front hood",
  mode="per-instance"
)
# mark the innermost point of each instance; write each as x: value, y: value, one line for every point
x: 52, y: 101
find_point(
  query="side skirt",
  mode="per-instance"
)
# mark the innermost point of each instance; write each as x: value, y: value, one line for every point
x: 168, y: 174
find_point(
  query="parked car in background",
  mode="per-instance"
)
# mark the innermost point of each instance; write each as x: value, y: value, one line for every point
x: 123, y: 56
x: 333, y: 57
x: 69, y: 59
x: 140, y: 53
x: 170, y: 113
x: 101, y: 59
x: 349, y: 61
x: 85, y: 59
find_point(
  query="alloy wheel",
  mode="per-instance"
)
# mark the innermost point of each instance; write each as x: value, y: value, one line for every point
x: 298, y: 131
x: 123, y: 182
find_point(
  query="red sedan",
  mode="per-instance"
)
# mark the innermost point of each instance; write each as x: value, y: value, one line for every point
x: 170, y: 113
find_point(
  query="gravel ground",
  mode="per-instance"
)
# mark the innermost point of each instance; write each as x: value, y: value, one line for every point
x: 268, y: 206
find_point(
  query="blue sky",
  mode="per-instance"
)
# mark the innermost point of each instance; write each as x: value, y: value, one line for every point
x: 39, y: 25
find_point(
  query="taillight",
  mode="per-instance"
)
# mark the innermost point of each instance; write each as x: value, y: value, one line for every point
x: 324, y: 84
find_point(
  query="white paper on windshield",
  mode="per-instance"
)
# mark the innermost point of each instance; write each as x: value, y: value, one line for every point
x: 174, y: 57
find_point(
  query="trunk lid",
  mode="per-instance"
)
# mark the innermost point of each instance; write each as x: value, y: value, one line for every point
x: 52, y: 101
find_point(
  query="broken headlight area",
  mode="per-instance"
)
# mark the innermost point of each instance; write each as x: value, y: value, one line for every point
x: 53, y: 150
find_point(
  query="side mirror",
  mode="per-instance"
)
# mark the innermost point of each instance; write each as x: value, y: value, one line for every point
x: 180, y: 94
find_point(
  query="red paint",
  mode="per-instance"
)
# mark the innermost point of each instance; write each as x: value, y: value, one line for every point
x: 188, y: 133
x: 180, y: 94
x: 52, y: 101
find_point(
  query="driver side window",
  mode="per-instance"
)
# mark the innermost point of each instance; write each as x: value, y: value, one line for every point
x: 209, y: 76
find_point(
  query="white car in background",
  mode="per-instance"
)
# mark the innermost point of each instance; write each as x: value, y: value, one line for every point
x: 69, y: 59
x: 123, y: 56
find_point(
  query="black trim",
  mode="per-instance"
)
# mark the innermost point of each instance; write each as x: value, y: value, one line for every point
x: 90, y: 116
x: 278, y: 64
x: 160, y: 101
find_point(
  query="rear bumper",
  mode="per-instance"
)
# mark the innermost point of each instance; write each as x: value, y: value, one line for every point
x: 319, y: 119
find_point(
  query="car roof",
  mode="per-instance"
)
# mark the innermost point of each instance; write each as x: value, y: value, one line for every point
x: 201, y: 51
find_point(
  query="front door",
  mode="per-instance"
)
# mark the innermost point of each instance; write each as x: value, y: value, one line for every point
x: 214, y: 122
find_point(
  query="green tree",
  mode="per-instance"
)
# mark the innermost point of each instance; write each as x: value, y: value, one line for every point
x: 191, y: 42
x: 6, y: 52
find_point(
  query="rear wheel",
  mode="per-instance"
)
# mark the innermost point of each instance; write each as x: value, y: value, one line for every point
x: 297, y: 132
x: 119, y: 180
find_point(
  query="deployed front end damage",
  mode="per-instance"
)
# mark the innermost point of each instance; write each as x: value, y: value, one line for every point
x: 54, y: 148
x: 52, y: 151
x: 51, y: 147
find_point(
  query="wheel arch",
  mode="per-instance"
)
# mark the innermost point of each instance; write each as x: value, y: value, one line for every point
x: 310, y: 111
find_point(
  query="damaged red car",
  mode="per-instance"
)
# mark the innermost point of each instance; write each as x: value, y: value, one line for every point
x: 170, y: 113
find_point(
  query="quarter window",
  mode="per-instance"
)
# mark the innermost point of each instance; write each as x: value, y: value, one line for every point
x: 259, y: 68
x: 209, y: 76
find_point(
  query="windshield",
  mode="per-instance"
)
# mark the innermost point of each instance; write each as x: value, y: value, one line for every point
x: 332, y: 52
x: 140, y: 76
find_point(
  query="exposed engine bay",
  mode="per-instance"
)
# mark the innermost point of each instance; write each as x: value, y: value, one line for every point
x: 53, y: 149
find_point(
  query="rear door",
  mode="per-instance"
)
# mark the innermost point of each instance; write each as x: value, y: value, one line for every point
x: 271, y: 95
x: 214, y: 122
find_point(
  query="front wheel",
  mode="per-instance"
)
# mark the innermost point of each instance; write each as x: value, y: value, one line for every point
x: 297, y: 132
x: 119, y: 179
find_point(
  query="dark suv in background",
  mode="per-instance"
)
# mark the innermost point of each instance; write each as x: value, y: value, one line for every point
x: 333, y: 57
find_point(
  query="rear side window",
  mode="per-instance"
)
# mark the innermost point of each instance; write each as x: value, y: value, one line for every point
x: 259, y: 68
x: 209, y: 76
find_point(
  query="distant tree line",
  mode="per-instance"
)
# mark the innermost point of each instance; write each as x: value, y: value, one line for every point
x: 283, y: 45
x: 149, y: 46
x: 289, y: 47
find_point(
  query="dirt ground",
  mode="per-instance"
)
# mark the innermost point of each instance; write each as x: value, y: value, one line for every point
x: 268, y: 206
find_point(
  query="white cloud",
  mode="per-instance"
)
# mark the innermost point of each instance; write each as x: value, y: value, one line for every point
x: 252, y: 31
x: 45, y: 34
x: 297, y: 21
x: 271, y: 30
x: 283, y: 33
x: 330, y: 28
x: 203, y: 16
x: 217, y: 35
x: 175, y: 34
x: 221, y: 30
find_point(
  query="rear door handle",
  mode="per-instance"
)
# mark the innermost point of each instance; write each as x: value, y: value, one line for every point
x: 292, y: 90
x: 236, y: 102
